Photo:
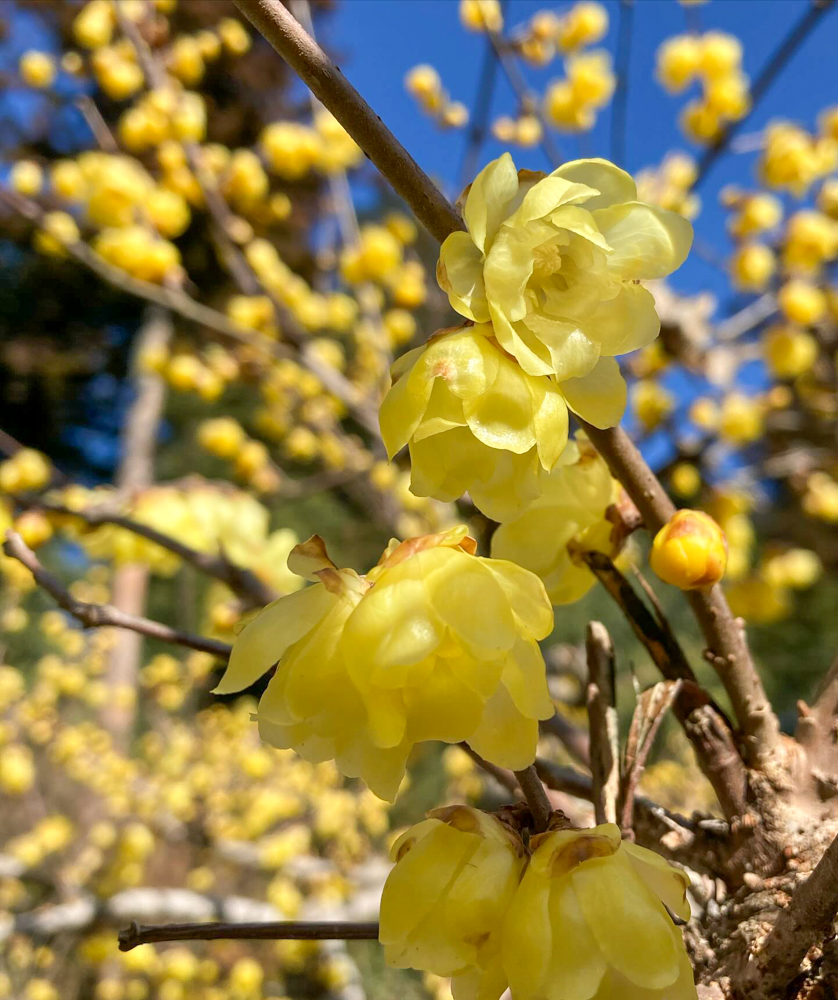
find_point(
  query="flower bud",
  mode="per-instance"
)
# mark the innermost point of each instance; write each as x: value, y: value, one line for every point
x: 690, y: 551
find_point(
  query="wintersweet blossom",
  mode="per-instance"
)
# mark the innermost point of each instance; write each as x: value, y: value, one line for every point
x: 553, y: 262
x: 475, y: 420
x: 569, y: 517
x: 588, y: 922
x: 443, y: 904
x: 434, y: 643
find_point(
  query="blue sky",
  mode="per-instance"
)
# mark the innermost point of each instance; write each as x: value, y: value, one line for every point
x: 378, y: 41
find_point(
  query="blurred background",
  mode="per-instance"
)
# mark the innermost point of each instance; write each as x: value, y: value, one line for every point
x: 203, y: 285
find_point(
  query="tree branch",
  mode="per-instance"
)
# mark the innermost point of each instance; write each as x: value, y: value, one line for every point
x: 282, y: 930
x: 536, y: 797
x: 803, y: 923
x: 602, y: 716
x: 105, y: 615
x: 244, y: 583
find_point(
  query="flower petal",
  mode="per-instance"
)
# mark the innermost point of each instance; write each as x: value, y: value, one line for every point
x: 576, y: 963
x: 614, y: 185
x: 442, y: 707
x: 600, y: 396
x: 263, y: 640
x: 631, y: 927
x: 502, y: 416
x: 459, y: 273
x: 667, y: 882
x: 647, y: 241
x: 547, y: 196
x: 526, y: 595
x: 402, y: 410
x: 505, y: 736
x: 627, y: 322
x: 493, y: 188
x: 525, y: 678
x: 527, y: 936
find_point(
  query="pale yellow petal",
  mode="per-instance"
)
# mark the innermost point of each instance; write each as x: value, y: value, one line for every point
x: 466, y: 361
x: 580, y: 221
x: 442, y: 708
x: 505, y: 736
x: 627, y: 322
x: 573, y: 352
x: 502, y: 416
x: 525, y: 593
x: 633, y: 930
x: 402, y: 410
x: 508, y: 269
x: 667, y: 882
x: 522, y: 344
x: 600, y: 396
x: 614, y: 185
x: 576, y: 963
x: 547, y: 196
x: 263, y: 640
x: 527, y: 937
x: 460, y: 275
x: 485, y: 208
x: 647, y: 241
x: 525, y: 678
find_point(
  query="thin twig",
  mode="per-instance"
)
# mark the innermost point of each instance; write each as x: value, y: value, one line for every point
x: 283, y: 930
x: 573, y: 738
x: 602, y: 717
x: 645, y: 723
x: 505, y: 778
x: 241, y: 581
x: 619, y: 108
x: 104, y: 615
x: 773, y: 67
x: 527, y: 100
x: 536, y: 797
x: 478, y: 129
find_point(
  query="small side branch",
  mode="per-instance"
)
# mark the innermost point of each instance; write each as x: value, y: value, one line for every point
x: 282, y: 930
x: 536, y: 797
x: 104, y: 615
x: 602, y: 715
x: 241, y: 581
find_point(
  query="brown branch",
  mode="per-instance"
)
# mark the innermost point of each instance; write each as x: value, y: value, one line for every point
x: 282, y: 930
x: 105, y: 615
x: 802, y: 924
x: 336, y: 93
x: 703, y: 723
x: 722, y: 634
x: 243, y: 582
x: 527, y: 101
x: 602, y: 716
x: 645, y: 723
x: 728, y: 650
x: 504, y: 777
x: 536, y: 797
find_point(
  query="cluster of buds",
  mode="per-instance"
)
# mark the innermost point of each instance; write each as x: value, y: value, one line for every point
x: 548, y: 33
x: 424, y: 83
x: 793, y: 159
x: 670, y: 185
x: 715, y: 59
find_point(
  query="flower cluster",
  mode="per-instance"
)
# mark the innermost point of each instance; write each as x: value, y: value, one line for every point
x: 434, y: 643
x: 581, y: 914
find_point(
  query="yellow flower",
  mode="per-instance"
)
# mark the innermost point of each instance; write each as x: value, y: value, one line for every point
x: 476, y: 421
x: 443, y: 904
x: 802, y: 302
x: 434, y: 643
x: 789, y: 351
x: 588, y: 921
x: 690, y: 551
x: 552, y: 262
x: 571, y: 511
x: 752, y: 266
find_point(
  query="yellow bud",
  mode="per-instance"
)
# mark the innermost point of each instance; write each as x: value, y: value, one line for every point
x: 585, y: 23
x: 26, y: 177
x: 58, y: 230
x: 678, y: 62
x: 34, y: 528
x: 802, y: 302
x: 481, y: 15
x: 741, y: 419
x: 423, y: 82
x: 690, y: 551
x: 686, y: 479
x: 223, y: 436
x: 68, y: 180
x: 752, y: 266
x: 94, y: 24
x: 37, y: 68
x: 234, y: 36
x: 789, y: 351
x: 700, y: 122
x: 721, y: 54
x: 17, y: 769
